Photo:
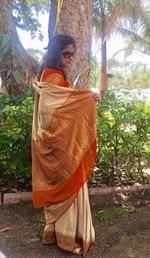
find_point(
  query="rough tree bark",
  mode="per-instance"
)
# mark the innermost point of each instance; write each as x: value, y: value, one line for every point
x: 76, y: 20
x: 7, y: 27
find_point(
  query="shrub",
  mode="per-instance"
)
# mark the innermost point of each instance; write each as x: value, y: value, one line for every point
x: 123, y: 138
x: 15, y: 135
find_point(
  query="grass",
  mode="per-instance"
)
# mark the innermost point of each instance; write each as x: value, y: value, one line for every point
x: 108, y: 215
x: 39, y: 219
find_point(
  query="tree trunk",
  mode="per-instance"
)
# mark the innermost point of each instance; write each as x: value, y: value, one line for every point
x: 52, y: 18
x: 76, y: 20
x: 104, y: 79
x: 16, y: 65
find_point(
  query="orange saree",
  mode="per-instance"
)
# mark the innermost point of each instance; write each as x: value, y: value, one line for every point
x: 63, y: 157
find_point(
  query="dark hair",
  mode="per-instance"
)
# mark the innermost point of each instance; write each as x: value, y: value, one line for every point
x: 54, y: 49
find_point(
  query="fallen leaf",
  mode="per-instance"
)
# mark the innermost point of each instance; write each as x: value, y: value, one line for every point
x: 4, y: 229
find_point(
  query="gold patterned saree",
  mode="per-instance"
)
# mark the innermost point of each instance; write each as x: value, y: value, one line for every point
x: 63, y: 157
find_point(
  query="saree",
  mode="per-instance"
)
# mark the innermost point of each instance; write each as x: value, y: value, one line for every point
x: 63, y: 157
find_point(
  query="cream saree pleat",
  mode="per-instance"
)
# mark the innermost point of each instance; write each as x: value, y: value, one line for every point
x: 73, y: 231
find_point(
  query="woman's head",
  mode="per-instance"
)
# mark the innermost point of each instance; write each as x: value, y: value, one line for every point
x: 60, y: 52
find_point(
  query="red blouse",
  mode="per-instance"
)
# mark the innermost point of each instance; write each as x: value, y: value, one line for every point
x: 55, y: 77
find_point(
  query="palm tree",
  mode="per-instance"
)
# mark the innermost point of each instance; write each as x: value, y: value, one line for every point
x: 140, y: 40
x: 107, y: 16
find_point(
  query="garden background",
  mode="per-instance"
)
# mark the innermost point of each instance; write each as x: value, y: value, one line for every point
x: 123, y: 117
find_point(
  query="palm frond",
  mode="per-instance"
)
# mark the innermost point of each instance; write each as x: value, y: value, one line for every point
x: 129, y: 11
x: 107, y: 14
x: 129, y: 34
x: 145, y: 23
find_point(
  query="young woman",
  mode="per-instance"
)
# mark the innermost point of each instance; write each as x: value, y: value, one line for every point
x: 63, y: 151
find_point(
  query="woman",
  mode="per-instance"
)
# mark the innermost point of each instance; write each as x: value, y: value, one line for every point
x: 63, y: 151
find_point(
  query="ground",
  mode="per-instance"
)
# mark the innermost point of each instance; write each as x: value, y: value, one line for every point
x: 125, y: 237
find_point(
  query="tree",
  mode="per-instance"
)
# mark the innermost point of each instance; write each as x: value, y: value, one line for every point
x: 128, y: 75
x: 16, y: 65
x: 107, y: 15
x: 94, y: 72
x: 74, y: 18
x: 140, y: 39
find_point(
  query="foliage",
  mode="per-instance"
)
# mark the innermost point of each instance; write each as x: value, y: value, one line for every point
x: 16, y: 66
x: 25, y: 15
x: 110, y: 16
x: 123, y: 139
x: 108, y: 215
x: 39, y: 219
x: 123, y: 152
x: 130, y: 76
x: 114, y: 15
x: 140, y: 38
x: 126, y: 75
x: 15, y: 136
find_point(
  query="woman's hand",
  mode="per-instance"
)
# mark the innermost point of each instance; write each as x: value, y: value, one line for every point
x: 96, y: 96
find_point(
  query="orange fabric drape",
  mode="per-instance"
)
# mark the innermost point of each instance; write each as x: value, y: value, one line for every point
x: 63, y: 139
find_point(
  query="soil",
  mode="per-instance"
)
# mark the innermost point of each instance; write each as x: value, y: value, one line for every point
x: 124, y: 237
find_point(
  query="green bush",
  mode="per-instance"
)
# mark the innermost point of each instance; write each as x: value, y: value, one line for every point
x: 123, y: 144
x: 15, y: 136
x: 123, y: 140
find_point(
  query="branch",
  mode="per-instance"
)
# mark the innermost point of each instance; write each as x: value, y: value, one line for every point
x: 124, y: 49
x: 77, y: 78
x: 29, y: 60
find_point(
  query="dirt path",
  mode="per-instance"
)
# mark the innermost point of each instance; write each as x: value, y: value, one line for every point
x: 125, y: 237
